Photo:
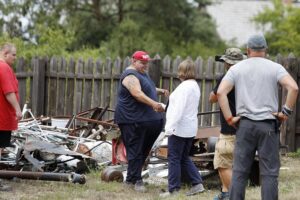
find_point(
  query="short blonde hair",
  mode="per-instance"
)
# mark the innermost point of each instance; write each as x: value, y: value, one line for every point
x: 187, y: 70
x: 7, y: 46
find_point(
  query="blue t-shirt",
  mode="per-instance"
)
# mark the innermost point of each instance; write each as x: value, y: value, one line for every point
x: 128, y: 109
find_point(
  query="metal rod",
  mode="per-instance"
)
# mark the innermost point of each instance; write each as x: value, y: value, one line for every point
x: 97, y: 122
x: 74, y: 178
x: 209, y: 112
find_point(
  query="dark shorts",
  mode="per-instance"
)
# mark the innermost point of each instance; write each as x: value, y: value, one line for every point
x: 5, y: 137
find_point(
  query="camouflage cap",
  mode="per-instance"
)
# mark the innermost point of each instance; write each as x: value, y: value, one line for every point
x: 232, y: 56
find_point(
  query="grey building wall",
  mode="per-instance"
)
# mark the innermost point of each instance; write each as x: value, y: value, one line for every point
x: 234, y: 18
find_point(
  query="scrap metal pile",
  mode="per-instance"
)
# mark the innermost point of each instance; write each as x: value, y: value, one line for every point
x: 45, y: 151
x: 155, y: 169
x: 64, y: 148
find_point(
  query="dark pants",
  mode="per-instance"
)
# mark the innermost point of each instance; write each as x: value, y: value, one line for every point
x: 263, y: 137
x: 5, y: 137
x: 138, y: 139
x: 180, y: 162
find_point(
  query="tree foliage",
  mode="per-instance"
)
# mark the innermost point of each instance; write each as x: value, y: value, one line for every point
x: 284, y: 34
x: 112, y: 27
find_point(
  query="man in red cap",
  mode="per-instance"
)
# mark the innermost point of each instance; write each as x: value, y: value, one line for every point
x: 138, y: 116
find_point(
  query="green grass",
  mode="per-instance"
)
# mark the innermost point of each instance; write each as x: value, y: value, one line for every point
x: 95, y: 189
x: 295, y: 154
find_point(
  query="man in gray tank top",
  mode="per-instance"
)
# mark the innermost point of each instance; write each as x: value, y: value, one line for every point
x: 256, y: 88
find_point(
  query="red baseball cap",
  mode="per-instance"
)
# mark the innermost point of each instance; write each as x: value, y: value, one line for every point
x: 141, y: 55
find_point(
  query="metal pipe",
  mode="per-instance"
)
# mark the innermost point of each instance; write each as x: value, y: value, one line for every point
x: 72, y: 177
x: 209, y: 112
x: 97, y: 121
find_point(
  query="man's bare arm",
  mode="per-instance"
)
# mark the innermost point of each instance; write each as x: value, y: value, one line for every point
x: 224, y: 88
x: 12, y: 99
x: 134, y: 87
x: 289, y: 83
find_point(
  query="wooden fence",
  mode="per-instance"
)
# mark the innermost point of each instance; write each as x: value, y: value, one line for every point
x: 60, y: 87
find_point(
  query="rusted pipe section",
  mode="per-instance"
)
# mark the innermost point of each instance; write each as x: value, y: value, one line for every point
x: 97, y: 121
x: 72, y: 177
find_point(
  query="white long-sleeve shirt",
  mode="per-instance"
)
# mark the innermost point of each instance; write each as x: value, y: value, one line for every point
x: 182, y: 111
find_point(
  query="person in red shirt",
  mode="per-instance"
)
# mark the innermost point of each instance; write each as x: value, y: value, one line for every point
x: 10, y: 111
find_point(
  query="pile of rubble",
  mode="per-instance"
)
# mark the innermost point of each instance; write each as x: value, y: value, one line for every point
x: 63, y: 152
x: 65, y: 148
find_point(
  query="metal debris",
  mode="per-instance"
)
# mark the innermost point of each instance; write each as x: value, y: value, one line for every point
x: 58, y: 152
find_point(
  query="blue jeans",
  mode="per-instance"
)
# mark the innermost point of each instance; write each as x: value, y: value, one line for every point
x: 180, y: 162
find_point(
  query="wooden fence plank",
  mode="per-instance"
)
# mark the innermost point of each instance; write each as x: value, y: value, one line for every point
x: 198, y: 69
x: 279, y: 59
x: 46, y: 88
x: 155, y: 70
x: 218, y: 72
x: 175, y: 65
x: 97, y: 84
x: 30, y: 86
x: 297, y: 111
x: 39, y: 70
x: 199, y: 77
x: 126, y: 63
x: 292, y: 67
x: 166, y: 80
x: 281, y: 98
x: 207, y: 89
x: 88, y: 84
x: 107, y: 86
x: 78, y: 85
x: 116, y: 71
x: 52, y: 96
x: 70, y: 88
x: 20, y: 69
x: 61, y: 87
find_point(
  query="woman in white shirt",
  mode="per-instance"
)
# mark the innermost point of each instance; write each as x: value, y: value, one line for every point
x: 182, y: 126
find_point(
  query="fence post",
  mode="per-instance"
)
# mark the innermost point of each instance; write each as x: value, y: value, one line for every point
x: 166, y: 77
x: 21, y: 74
x: 154, y: 70
x: 291, y: 122
x: 207, y: 106
x: 38, y: 87
x: 88, y: 84
x: 70, y: 89
x: 281, y: 98
x: 199, y: 77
